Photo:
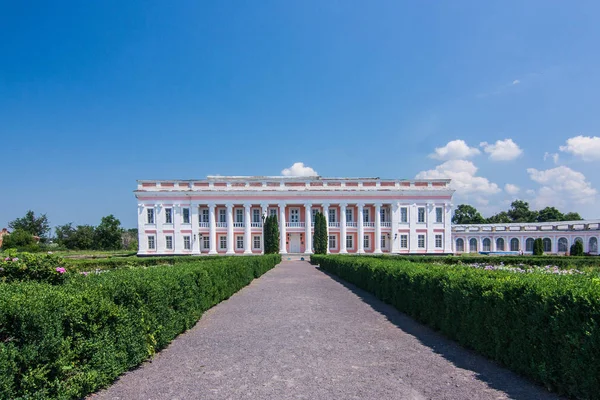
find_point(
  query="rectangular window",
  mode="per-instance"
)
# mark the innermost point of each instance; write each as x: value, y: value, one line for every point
x: 439, y: 216
x: 438, y: 241
x: 349, y: 242
x: 206, y: 242
x: 294, y: 215
x: 222, y: 215
x: 404, y: 241
x: 150, y: 213
x: 256, y: 215
x: 421, y: 214
x: 404, y: 215
x: 273, y: 212
x: 187, y: 243
x: 366, y: 216
x: 349, y: 214
x: 239, y: 215
x: 205, y: 217
x: 383, y: 241
x: 332, y: 215
x: 223, y: 242
x: 239, y: 242
x: 168, y: 215
x: 366, y: 242
x: 256, y: 242
x: 382, y: 216
x: 332, y: 244
x: 169, y: 242
x: 151, y: 243
x: 421, y: 241
x: 314, y: 213
x: 186, y: 215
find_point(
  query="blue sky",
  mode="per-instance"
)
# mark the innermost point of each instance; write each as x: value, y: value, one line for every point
x: 94, y: 95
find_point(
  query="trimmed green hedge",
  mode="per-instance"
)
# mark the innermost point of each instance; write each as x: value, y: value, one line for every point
x: 77, y: 265
x: 65, y: 341
x: 563, y: 262
x: 544, y: 326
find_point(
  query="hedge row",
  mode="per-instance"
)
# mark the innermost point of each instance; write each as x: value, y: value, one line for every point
x: 65, y: 341
x: 559, y: 261
x: 540, y: 325
x: 77, y: 265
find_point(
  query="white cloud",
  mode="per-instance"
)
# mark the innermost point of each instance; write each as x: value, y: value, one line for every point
x: 585, y: 147
x: 502, y: 150
x: 462, y: 173
x: 456, y: 149
x: 516, y: 82
x: 511, y: 189
x: 561, y: 187
x: 553, y: 156
x: 299, y: 169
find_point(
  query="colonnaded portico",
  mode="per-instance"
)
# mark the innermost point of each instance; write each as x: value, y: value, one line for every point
x: 224, y: 215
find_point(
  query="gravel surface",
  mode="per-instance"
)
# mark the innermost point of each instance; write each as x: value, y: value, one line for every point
x: 298, y: 333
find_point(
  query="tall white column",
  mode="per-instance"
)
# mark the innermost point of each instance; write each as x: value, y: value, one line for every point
x: 394, y: 237
x: 247, y: 232
x: 283, y: 235
x: 195, y: 222
x: 377, y: 228
x: 230, y: 229
x: 264, y: 215
x: 212, y: 230
x: 326, y: 214
x: 361, y: 228
x: 142, y: 238
x: 308, y: 231
x: 429, y: 220
x: 343, y: 248
x: 177, y: 235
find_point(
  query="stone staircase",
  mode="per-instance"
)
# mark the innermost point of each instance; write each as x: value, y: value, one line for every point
x: 295, y: 257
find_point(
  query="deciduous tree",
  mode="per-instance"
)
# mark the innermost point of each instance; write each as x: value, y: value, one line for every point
x: 467, y: 214
x: 36, y: 226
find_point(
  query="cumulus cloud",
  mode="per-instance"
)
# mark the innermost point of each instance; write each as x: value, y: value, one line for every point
x: 502, y: 150
x: 553, y: 156
x: 511, y: 189
x: 454, y: 150
x: 299, y: 169
x: 463, y: 176
x: 561, y: 187
x: 585, y: 147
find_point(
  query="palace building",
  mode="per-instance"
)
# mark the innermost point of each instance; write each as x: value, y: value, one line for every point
x: 224, y: 214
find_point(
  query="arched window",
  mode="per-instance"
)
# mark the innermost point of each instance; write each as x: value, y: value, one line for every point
x: 487, y: 244
x: 578, y: 239
x: 473, y: 245
x: 499, y: 244
x: 514, y: 244
x: 593, y: 245
x: 547, y: 245
x: 460, y: 245
x: 563, y: 245
x: 529, y: 244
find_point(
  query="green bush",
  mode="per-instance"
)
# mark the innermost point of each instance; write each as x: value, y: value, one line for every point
x: 538, y: 247
x: 576, y: 249
x: 20, y: 239
x: 16, y: 266
x: 69, y: 340
x: 544, y: 326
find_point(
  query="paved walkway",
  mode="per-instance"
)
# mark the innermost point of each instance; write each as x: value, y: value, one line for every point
x: 298, y: 333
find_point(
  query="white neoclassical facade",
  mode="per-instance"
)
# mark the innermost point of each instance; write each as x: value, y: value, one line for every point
x: 224, y: 214
x: 517, y: 238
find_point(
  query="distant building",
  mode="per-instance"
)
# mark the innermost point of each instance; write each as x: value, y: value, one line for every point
x: 224, y: 214
x: 557, y: 237
x: 3, y: 232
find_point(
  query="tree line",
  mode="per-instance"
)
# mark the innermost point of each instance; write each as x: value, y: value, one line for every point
x: 519, y: 211
x: 33, y: 233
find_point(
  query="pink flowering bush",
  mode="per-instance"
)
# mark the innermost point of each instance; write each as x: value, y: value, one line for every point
x: 32, y: 267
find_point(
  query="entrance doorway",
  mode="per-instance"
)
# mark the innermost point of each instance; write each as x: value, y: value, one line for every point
x: 294, y: 243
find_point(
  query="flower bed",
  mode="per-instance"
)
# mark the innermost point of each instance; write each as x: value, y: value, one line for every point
x: 65, y: 341
x: 543, y: 325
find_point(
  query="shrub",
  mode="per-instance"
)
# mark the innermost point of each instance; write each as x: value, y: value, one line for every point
x: 538, y: 247
x: 19, y: 239
x: 541, y: 325
x: 576, y: 249
x: 69, y: 340
x: 320, y: 235
x: 16, y: 266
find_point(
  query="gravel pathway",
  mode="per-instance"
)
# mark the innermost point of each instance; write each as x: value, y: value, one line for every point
x: 298, y: 333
